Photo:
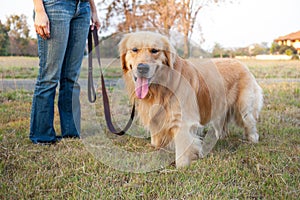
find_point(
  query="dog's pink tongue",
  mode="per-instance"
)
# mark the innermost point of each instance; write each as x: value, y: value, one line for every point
x: 141, y: 87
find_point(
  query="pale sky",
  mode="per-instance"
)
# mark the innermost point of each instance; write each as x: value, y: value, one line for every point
x: 232, y: 25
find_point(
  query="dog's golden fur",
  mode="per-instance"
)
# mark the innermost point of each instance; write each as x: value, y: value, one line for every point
x: 185, y: 96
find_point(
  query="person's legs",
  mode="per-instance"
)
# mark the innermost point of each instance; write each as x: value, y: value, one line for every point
x: 69, y: 103
x: 51, y: 54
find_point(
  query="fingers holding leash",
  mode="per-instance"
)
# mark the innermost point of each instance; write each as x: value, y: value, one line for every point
x: 94, y: 17
x: 95, y: 22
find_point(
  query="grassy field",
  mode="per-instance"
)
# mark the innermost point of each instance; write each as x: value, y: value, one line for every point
x: 27, y: 67
x: 233, y: 170
x: 24, y: 67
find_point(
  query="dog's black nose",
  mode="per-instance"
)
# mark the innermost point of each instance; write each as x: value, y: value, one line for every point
x: 143, y: 68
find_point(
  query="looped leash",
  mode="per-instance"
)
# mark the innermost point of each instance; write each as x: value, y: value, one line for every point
x: 91, y: 89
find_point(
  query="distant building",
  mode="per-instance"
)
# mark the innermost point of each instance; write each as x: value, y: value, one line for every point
x: 292, y: 39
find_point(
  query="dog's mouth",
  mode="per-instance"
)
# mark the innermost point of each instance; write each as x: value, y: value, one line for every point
x: 141, y: 86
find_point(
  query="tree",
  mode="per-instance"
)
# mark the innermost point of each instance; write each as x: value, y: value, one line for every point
x: 4, y: 40
x: 186, y: 12
x: 259, y: 49
x: 162, y: 15
x: 189, y: 14
x: 242, y: 51
x: 218, y: 51
x: 18, y: 32
x: 17, y: 26
x: 289, y: 50
x: 121, y: 15
x: 282, y: 49
x: 274, y: 48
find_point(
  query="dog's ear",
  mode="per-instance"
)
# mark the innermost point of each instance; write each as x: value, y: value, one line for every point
x: 170, y: 53
x: 122, y: 52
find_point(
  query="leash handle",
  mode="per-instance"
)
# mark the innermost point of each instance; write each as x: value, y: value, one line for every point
x: 91, y: 90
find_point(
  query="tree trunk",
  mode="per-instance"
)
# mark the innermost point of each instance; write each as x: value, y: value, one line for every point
x: 186, y: 45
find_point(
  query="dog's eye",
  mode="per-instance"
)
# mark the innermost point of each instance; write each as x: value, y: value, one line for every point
x: 134, y: 50
x: 154, y: 51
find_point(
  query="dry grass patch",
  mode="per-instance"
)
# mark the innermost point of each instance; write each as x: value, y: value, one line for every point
x: 27, y: 67
x: 274, y: 69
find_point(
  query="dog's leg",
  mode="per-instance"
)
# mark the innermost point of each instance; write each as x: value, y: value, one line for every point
x: 219, y: 125
x: 182, y: 144
x: 188, y: 146
x: 249, y: 124
x: 249, y: 108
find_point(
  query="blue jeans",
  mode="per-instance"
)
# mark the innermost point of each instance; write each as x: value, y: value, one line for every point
x: 60, y: 62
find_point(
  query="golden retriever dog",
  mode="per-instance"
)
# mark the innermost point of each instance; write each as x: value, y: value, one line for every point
x: 176, y: 98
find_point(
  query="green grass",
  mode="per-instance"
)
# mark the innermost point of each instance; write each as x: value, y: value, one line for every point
x: 233, y: 170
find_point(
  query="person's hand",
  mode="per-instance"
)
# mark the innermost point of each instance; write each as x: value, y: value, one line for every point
x: 95, y: 21
x: 42, y: 25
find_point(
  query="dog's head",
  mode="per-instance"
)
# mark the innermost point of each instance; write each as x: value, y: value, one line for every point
x: 142, y: 54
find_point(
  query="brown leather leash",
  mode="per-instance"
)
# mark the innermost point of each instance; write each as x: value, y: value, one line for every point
x: 93, y: 34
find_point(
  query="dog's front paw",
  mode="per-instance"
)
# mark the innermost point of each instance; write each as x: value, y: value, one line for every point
x: 183, y: 161
x: 253, y: 138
